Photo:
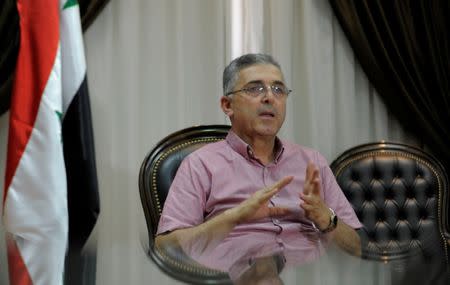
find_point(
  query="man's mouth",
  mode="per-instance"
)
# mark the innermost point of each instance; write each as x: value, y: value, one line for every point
x: 267, y: 114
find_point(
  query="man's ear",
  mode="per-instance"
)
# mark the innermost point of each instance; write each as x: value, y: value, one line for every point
x: 225, y: 103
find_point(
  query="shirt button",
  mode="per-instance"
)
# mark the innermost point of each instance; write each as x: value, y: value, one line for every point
x: 276, y: 221
x: 279, y: 240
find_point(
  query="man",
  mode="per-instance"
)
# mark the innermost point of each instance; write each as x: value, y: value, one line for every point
x: 253, y: 195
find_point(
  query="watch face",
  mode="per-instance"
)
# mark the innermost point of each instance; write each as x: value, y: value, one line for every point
x: 335, y: 219
x: 333, y: 222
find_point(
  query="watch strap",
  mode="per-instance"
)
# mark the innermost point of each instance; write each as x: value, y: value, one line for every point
x: 333, y: 222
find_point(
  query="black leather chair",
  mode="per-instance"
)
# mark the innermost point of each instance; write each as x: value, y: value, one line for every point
x: 400, y: 194
x: 156, y: 175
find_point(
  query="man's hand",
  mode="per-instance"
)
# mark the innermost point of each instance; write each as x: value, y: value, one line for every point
x: 318, y: 212
x: 315, y: 208
x: 256, y: 207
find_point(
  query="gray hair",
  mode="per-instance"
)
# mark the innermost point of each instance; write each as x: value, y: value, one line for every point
x: 231, y: 72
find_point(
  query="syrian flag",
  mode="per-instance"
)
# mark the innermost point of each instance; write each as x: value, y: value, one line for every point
x: 35, y: 211
x: 79, y: 154
x: 78, y: 138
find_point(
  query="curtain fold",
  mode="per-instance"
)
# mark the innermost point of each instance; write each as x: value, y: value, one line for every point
x: 403, y: 47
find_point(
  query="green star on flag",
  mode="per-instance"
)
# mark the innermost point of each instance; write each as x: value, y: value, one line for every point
x: 70, y: 3
x: 60, y: 115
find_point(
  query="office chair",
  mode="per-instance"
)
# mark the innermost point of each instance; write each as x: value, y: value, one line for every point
x: 400, y: 194
x: 156, y: 175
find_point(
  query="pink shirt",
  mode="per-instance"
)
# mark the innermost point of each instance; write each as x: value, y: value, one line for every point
x: 221, y: 175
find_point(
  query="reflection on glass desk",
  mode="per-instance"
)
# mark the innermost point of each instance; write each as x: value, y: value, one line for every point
x: 334, y: 267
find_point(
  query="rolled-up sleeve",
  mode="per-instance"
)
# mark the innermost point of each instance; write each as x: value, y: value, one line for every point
x: 185, y: 203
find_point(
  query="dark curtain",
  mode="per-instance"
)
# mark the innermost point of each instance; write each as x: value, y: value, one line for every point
x: 9, y: 43
x: 403, y: 47
x: 9, y: 46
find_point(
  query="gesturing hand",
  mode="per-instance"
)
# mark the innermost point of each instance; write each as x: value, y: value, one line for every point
x: 315, y: 208
x: 256, y: 206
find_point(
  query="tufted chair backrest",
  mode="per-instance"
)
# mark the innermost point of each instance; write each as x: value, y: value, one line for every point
x: 155, y: 177
x: 399, y: 193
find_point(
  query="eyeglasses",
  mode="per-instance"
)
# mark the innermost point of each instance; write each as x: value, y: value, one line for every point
x: 278, y: 91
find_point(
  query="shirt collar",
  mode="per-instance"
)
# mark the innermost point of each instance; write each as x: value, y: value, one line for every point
x: 244, y: 149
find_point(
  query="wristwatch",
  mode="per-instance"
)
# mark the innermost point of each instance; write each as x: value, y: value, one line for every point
x: 333, y: 223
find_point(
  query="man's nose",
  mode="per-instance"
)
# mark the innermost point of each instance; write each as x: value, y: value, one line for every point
x: 268, y: 95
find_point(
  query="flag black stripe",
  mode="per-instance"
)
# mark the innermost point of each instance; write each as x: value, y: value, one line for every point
x: 79, y: 155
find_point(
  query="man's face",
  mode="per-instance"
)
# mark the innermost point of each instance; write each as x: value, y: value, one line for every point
x: 256, y: 116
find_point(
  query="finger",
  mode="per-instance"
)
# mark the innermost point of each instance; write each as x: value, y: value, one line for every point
x: 313, y: 170
x: 275, y: 188
x: 306, y: 198
x: 279, y: 211
x: 309, y: 170
x: 306, y: 188
x: 310, y: 201
x: 315, y: 186
x: 309, y: 176
x: 282, y: 182
x: 312, y: 184
x: 314, y: 174
x: 307, y: 207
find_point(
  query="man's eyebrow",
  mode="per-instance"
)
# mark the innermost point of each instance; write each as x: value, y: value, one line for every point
x: 277, y: 82
x: 255, y: 82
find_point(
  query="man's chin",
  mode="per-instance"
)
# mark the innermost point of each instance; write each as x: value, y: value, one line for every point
x: 267, y: 131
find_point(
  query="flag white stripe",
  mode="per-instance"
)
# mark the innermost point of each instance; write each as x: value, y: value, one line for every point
x: 72, y: 53
x: 36, y: 205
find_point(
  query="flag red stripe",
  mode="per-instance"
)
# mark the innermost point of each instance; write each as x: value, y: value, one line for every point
x: 18, y: 274
x: 39, y: 37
